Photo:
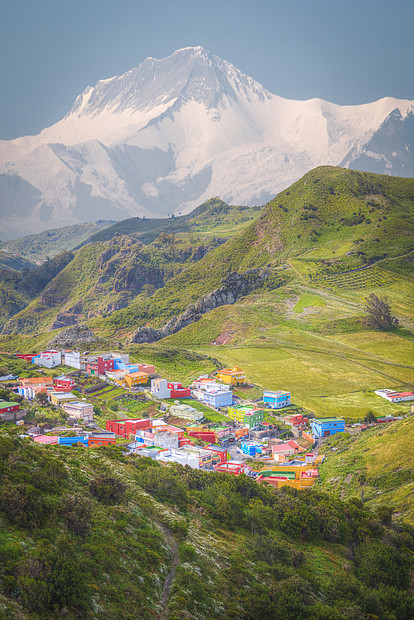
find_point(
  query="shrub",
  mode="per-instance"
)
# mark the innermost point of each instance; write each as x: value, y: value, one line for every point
x: 23, y: 505
x: 107, y: 489
x: 77, y: 514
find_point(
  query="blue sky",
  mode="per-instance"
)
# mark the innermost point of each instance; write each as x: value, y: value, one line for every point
x: 346, y: 52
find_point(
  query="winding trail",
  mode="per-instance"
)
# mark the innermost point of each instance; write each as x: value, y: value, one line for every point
x: 170, y: 577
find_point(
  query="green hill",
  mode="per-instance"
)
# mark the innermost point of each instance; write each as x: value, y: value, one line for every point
x: 290, y: 286
x: 212, y: 217
x: 40, y: 246
x: 18, y: 288
x: 90, y: 533
x: 378, y: 462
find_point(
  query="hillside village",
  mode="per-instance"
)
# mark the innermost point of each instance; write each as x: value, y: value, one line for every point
x: 205, y: 425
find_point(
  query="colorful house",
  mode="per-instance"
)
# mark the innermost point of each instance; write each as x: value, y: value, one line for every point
x: 101, y: 439
x: 233, y: 467
x: 395, y: 397
x: 8, y: 407
x: 249, y: 417
x: 36, y: 381
x: 73, y: 441
x: 134, y: 379
x: 219, y: 450
x: 161, y: 388
x: 324, y: 427
x: 128, y: 426
x: 48, y: 359
x: 60, y: 398
x: 296, y: 419
x: 99, y: 365
x: 281, y: 450
x: 276, y: 400
x: 232, y: 376
x: 63, y: 384
x: 216, y: 397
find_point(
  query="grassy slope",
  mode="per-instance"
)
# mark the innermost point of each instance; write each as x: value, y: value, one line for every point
x: 313, y: 325
x: 102, y: 276
x: 239, y: 549
x: 51, y: 242
x: 212, y: 217
x: 383, y: 455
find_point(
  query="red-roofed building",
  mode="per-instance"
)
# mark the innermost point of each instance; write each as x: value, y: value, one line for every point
x: 395, y: 397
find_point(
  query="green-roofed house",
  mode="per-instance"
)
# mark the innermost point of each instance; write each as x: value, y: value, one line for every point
x: 324, y: 427
x: 250, y: 417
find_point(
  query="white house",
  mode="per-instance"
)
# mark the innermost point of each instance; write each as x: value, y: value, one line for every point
x: 79, y: 410
x: 186, y: 412
x: 72, y: 358
x: 48, y: 359
x: 160, y: 389
x: 395, y: 397
x: 179, y: 456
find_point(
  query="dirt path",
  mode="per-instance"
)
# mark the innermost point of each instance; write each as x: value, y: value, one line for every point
x: 170, y: 577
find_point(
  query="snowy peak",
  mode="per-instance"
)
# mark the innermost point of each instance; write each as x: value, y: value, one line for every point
x: 169, y: 134
x: 189, y: 74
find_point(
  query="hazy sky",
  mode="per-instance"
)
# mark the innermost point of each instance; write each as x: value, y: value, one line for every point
x: 349, y: 51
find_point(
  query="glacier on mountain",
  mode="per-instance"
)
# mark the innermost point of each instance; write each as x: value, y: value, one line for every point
x: 171, y: 133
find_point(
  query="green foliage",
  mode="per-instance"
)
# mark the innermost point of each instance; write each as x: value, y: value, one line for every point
x: 378, y: 311
x: 107, y: 489
x: 244, y: 550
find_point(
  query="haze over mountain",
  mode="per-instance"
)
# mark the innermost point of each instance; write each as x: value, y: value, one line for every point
x: 166, y: 136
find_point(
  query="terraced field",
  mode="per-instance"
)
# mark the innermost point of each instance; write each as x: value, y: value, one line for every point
x: 360, y: 278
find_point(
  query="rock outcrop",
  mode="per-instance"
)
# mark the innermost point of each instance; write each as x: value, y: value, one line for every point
x: 235, y: 285
x: 78, y: 334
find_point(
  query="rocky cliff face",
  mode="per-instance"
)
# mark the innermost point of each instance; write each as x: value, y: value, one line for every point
x: 235, y: 285
x: 78, y: 334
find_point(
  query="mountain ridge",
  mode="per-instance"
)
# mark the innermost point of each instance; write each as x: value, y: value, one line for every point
x: 169, y: 134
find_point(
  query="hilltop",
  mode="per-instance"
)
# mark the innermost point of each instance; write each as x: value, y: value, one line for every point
x: 87, y: 532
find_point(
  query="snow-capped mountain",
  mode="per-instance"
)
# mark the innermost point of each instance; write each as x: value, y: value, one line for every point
x: 166, y: 136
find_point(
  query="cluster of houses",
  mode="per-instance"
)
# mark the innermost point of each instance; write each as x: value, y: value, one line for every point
x: 175, y: 442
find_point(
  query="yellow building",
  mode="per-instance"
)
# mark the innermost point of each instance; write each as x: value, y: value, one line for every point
x: 232, y: 376
x: 135, y: 378
x: 60, y: 398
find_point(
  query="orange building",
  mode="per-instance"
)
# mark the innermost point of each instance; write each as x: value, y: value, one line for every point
x: 133, y: 379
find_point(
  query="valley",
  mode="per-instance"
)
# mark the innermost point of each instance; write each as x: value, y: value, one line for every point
x: 302, y: 268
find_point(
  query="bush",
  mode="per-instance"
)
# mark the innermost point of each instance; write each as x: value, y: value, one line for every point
x: 77, y: 513
x: 107, y: 490
x: 23, y: 505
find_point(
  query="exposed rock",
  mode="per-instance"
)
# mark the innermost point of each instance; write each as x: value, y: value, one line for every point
x: 235, y: 285
x: 73, y: 336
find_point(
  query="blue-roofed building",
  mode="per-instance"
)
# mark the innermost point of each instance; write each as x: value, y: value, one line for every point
x: 71, y: 441
x: 324, y: 427
x: 276, y: 400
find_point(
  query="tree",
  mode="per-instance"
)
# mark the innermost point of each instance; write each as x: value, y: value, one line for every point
x: 42, y: 397
x: 370, y: 417
x: 378, y: 312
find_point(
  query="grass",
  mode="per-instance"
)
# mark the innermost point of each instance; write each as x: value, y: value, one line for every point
x: 308, y: 300
x: 383, y: 456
